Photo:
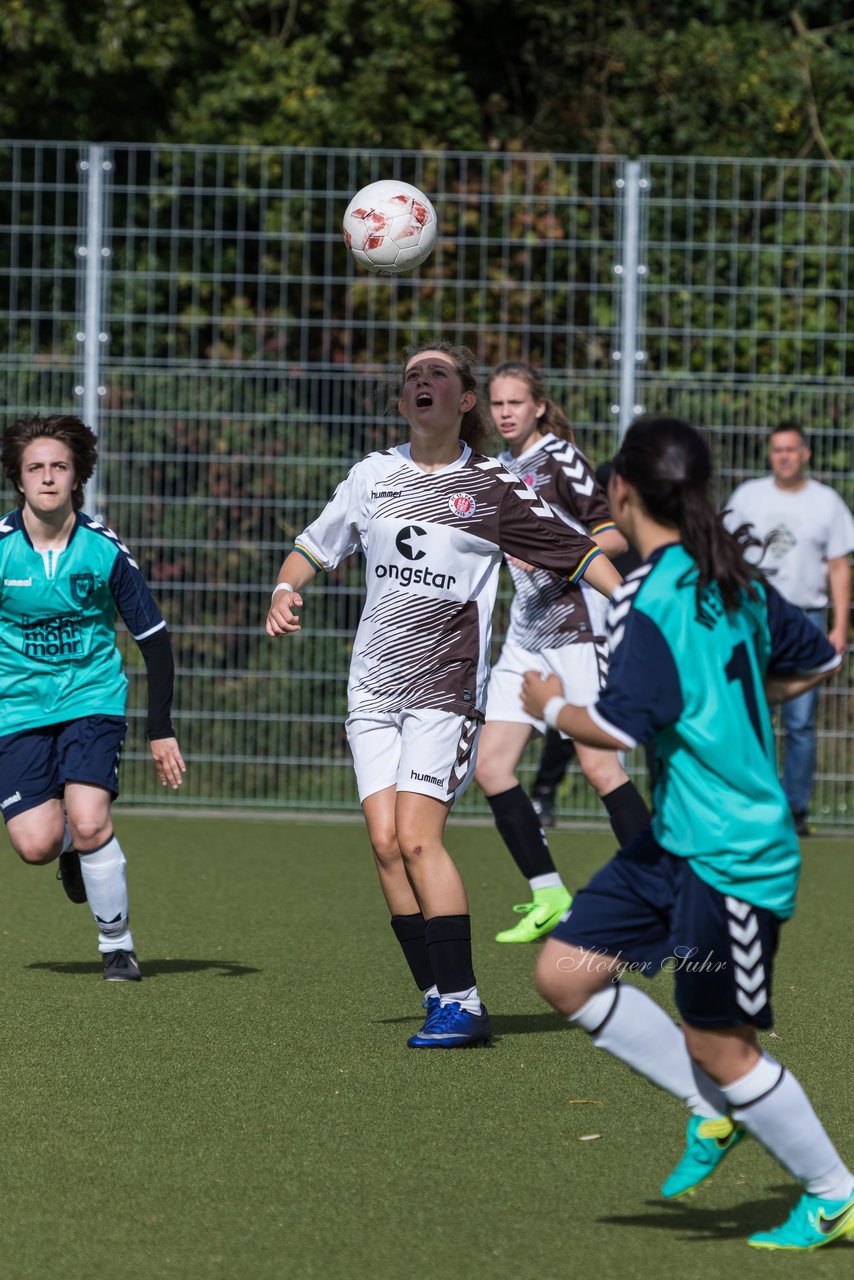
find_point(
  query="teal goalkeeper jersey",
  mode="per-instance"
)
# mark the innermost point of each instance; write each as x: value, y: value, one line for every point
x: 58, y: 655
x: 691, y: 680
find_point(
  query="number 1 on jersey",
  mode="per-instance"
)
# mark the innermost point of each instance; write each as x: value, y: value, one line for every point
x: 738, y: 668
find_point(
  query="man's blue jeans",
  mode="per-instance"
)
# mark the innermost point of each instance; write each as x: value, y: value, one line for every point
x: 798, y: 720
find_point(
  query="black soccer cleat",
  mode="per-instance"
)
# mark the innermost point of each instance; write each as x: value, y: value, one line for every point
x: 121, y: 966
x: 71, y: 876
x: 801, y: 824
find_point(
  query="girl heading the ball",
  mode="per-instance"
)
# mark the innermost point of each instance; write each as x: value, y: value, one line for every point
x: 434, y: 517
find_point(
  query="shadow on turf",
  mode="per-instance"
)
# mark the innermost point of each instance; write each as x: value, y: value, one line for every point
x: 729, y: 1223
x: 506, y: 1024
x: 151, y: 968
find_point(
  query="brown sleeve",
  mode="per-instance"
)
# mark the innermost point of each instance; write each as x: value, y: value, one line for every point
x: 530, y: 530
x: 580, y: 494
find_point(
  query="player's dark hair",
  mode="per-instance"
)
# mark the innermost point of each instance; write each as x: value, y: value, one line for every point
x: 476, y: 427
x: 554, y: 419
x: 81, y: 442
x: 788, y: 426
x: 668, y: 464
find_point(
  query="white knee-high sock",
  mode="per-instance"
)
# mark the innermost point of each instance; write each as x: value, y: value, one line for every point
x: 633, y: 1028
x: 106, y: 889
x: 771, y: 1105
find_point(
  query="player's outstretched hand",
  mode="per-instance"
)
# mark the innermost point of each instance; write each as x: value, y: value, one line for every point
x: 281, y: 619
x: 168, y: 761
x: 537, y: 690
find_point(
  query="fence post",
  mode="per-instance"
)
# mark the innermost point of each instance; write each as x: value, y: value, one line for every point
x: 629, y: 356
x: 93, y: 254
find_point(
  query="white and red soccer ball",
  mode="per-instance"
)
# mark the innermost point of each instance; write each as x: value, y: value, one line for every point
x: 390, y: 227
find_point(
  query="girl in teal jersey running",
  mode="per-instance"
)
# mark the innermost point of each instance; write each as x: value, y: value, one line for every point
x: 63, y: 577
x: 699, y: 644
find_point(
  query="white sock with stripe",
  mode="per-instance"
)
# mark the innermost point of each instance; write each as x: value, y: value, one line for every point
x: 632, y: 1027
x: 103, y: 873
x: 771, y: 1105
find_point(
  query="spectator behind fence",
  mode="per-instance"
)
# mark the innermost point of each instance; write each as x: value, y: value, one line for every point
x: 809, y: 534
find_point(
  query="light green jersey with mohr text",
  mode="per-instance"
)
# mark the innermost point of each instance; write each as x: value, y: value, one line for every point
x: 58, y: 655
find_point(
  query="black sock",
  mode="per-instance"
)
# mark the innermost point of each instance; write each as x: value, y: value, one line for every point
x: 449, y: 946
x: 519, y: 828
x: 627, y: 812
x: 410, y: 932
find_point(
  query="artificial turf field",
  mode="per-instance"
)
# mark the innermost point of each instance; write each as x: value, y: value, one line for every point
x: 251, y: 1109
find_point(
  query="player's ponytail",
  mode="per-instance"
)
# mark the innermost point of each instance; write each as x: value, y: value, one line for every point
x: 669, y: 466
x: 554, y: 419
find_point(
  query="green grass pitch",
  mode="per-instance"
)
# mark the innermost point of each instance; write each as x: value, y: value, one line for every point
x: 251, y: 1109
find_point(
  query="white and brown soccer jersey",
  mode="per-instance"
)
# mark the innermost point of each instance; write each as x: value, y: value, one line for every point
x: 434, y: 543
x: 549, y: 612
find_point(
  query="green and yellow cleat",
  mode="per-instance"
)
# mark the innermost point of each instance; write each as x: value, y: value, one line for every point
x: 538, y: 917
x: 812, y: 1223
x: 706, y: 1144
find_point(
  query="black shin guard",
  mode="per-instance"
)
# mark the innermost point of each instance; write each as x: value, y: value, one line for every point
x: 519, y: 828
x: 627, y: 812
x: 410, y: 932
x: 449, y: 946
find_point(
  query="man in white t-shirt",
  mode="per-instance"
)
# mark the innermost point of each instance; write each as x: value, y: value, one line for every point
x: 812, y: 535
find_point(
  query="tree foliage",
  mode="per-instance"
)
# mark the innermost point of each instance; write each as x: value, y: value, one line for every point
x: 705, y: 77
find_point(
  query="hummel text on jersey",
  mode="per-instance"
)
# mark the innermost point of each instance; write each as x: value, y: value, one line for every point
x: 17, y: 582
x: 416, y: 577
x: 4, y: 804
x: 385, y: 493
x: 425, y: 777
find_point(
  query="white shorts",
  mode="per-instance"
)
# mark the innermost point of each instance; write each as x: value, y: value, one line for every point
x: 432, y: 752
x: 581, y: 667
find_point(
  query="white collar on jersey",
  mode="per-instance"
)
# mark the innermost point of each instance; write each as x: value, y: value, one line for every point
x: 405, y: 451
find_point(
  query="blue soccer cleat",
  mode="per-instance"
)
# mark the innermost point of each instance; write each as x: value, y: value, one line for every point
x: 706, y: 1144
x: 451, y: 1027
x: 812, y: 1223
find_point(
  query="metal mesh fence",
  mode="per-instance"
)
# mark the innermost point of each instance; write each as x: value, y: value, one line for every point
x: 198, y: 306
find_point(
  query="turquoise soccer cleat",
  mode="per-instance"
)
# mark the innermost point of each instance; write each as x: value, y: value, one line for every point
x: 812, y: 1223
x: 706, y: 1144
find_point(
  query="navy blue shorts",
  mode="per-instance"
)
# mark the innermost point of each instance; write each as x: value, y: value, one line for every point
x: 650, y: 908
x: 35, y: 764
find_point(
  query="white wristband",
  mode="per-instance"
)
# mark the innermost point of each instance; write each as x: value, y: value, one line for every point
x: 552, y: 710
x: 282, y: 586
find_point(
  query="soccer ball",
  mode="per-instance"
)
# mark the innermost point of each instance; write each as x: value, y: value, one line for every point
x: 390, y: 227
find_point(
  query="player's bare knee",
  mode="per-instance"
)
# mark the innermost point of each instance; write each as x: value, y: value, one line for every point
x: 557, y: 984
x: 36, y: 851
x: 604, y: 776
x: 412, y: 851
x: 385, y: 847
x: 90, y: 833
x: 488, y: 777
